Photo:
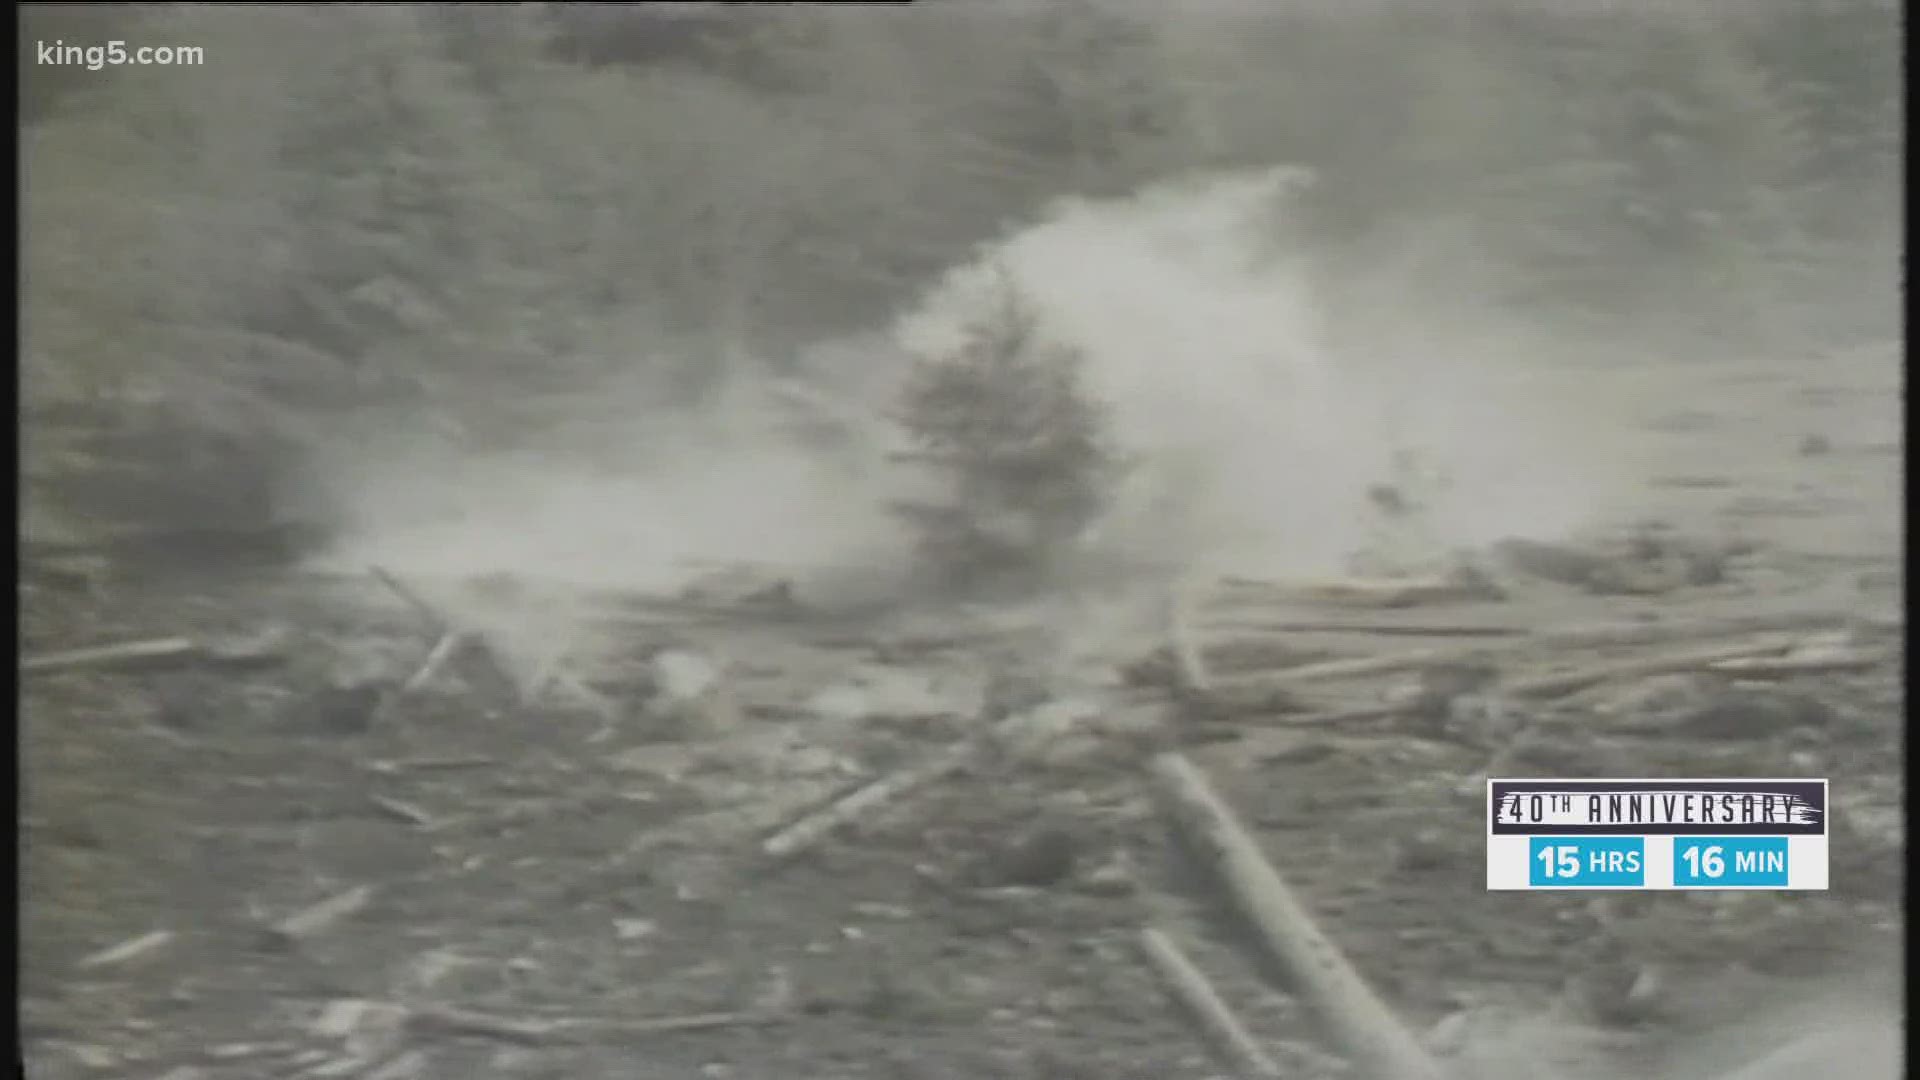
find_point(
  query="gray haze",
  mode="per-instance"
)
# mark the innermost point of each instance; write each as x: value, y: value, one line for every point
x: 608, y: 296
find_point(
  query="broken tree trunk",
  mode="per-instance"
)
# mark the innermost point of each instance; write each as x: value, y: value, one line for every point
x: 1258, y: 690
x: 1252, y: 628
x: 1357, y: 593
x: 318, y: 918
x: 132, y: 653
x: 491, y: 667
x: 1190, y: 987
x: 1566, y: 682
x: 1192, y: 682
x: 1358, y: 1018
x: 1014, y: 731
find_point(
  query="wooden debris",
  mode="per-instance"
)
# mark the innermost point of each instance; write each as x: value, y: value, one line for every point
x: 692, y: 699
x: 126, y: 654
x: 262, y: 649
x: 1548, y: 686
x: 1358, y: 1019
x: 711, y: 830
x: 1370, y: 629
x: 1363, y: 593
x: 1762, y: 667
x: 131, y: 949
x: 809, y: 830
x: 440, y: 1018
x: 454, y: 1021
x: 427, y: 612
x: 402, y: 811
x: 317, y: 919
x: 1190, y: 987
x: 1353, y: 667
x: 1354, y: 715
x: 369, y: 1031
x: 1660, y: 633
x: 496, y: 675
x: 700, y: 1022
x: 1558, y: 563
x: 450, y: 643
x: 429, y: 764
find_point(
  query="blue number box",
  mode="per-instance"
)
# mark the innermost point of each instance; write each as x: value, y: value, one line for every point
x: 1574, y: 862
x: 1722, y: 862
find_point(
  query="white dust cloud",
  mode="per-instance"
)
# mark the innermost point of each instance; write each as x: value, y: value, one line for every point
x: 1208, y: 336
x: 1204, y: 331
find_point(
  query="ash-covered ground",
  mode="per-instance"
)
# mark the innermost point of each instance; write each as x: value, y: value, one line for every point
x: 584, y: 870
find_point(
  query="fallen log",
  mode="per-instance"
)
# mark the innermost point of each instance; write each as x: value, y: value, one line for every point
x: 450, y: 1020
x: 443, y: 651
x: 1353, y: 715
x: 400, y: 810
x: 1659, y: 633
x: 1016, y: 731
x: 131, y: 949
x: 809, y: 830
x: 1566, y: 682
x: 1359, y: 593
x: 491, y: 665
x: 1248, y: 627
x: 1235, y: 691
x: 1189, y: 986
x: 1359, y: 1020
x: 318, y: 918
x: 131, y: 653
x: 1774, y: 667
x: 1352, y: 667
x: 488, y: 665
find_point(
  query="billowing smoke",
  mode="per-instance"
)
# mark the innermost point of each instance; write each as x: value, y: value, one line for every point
x: 1255, y: 421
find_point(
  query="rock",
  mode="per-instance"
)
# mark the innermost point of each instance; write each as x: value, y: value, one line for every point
x: 1557, y: 563
x: 634, y: 929
x: 350, y: 709
x: 1030, y: 738
x: 691, y: 699
x: 892, y: 693
x: 1042, y: 857
x: 1111, y: 879
x: 1449, y: 1036
x: 1483, y: 720
x: 683, y: 675
x: 1427, y: 849
x: 1616, y: 994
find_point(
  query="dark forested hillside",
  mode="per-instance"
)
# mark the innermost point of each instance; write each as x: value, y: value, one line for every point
x: 480, y: 214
